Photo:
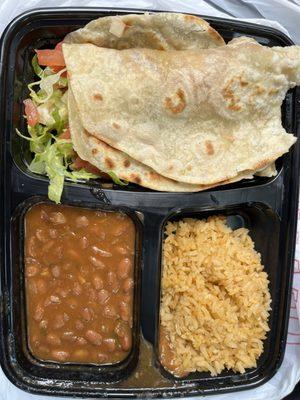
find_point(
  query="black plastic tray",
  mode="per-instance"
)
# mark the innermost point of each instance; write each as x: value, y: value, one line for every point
x: 266, y: 206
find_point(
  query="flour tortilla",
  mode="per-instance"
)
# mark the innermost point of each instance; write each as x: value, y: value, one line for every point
x: 157, y: 31
x: 198, y: 117
x: 107, y: 159
x: 161, y: 31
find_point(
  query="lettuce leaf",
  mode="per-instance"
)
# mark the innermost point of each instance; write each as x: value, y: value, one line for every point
x: 116, y: 179
x: 36, y: 68
x: 46, y: 84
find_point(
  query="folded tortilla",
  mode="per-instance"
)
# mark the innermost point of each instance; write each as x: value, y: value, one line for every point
x: 166, y: 31
x: 107, y: 159
x: 200, y: 117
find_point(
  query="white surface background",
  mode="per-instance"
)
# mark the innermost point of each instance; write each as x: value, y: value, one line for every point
x: 282, y: 14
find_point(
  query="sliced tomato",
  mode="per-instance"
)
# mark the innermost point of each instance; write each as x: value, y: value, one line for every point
x: 79, y: 163
x: 66, y: 134
x: 51, y: 58
x: 31, y: 112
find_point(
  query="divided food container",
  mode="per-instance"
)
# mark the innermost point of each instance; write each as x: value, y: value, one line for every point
x: 266, y: 206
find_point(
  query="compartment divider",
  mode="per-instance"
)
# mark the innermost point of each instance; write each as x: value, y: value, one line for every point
x: 151, y: 274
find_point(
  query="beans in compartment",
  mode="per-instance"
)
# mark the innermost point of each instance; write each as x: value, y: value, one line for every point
x: 79, y: 279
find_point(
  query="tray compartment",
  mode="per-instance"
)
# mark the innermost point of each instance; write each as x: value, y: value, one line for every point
x: 264, y: 229
x: 46, y: 32
x: 19, y: 351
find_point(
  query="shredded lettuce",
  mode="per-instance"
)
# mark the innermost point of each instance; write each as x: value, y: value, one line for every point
x: 58, y: 121
x: 54, y: 161
x: 116, y: 179
x: 37, y: 69
x: 53, y: 156
x: 46, y: 85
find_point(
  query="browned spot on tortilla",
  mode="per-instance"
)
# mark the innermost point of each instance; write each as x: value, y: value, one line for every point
x: 228, y: 95
x: 262, y: 164
x: 98, y: 96
x: 215, y: 35
x: 273, y: 91
x: 243, y: 83
x: 209, y: 147
x: 128, y: 24
x: 179, y: 105
x: 189, y: 168
x: 115, y: 125
x: 234, y: 107
x: 109, y: 163
x: 136, y: 179
x: 126, y: 163
x: 156, y: 41
x: 259, y: 90
x: 154, y: 175
x: 94, y: 151
x: 189, y: 17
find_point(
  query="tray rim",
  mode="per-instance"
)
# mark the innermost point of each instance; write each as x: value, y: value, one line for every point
x: 292, y: 206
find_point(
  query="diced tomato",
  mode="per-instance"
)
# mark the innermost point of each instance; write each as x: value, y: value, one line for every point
x: 59, y: 46
x: 31, y: 112
x: 57, y: 69
x: 79, y: 163
x: 66, y: 134
x: 51, y: 58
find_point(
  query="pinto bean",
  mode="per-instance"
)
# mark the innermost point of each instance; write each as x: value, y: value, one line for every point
x: 31, y: 247
x: 127, y: 285
x: 42, y: 235
x: 98, y: 282
x: 55, y: 270
x: 84, y: 242
x: 87, y: 314
x: 110, y: 312
x: 121, y: 250
x: 31, y: 271
x: 101, y: 252
x: 77, y: 288
x: 103, y: 296
x: 58, y: 321
x: 97, y: 263
x: 41, y: 286
x: 102, y: 357
x: 57, y: 218
x: 124, y: 268
x: 60, y: 355
x: 93, y: 337
x: 38, y: 313
x: 79, y: 325
x: 110, y: 344
x: 124, y: 311
x: 82, y: 222
x: 69, y: 336
x: 126, y: 342
x: 53, y: 233
x: 53, y: 339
